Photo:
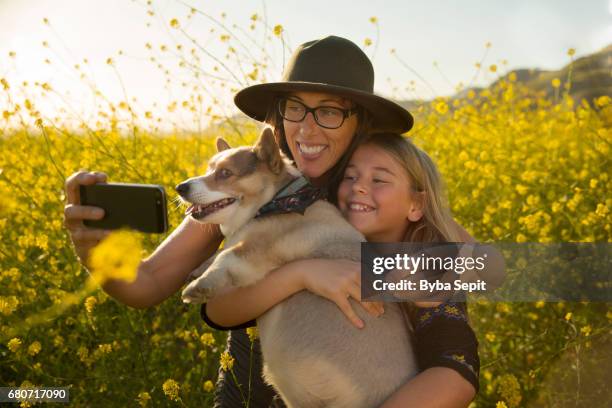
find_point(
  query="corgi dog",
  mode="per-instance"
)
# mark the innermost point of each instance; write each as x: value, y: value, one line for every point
x: 312, y: 354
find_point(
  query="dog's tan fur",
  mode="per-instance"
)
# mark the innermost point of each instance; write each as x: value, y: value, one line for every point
x: 312, y: 354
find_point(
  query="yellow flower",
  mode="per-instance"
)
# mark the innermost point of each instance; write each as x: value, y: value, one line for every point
x: 171, y: 389
x: 501, y: 404
x: 174, y: 23
x: 602, y: 210
x: 568, y: 316
x: 493, y: 68
x: 603, y: 101
x: 90, y: 303
x: 208, y: 386
x: 14, y: 344
x: 510, y: 390
x: 34, y: 348
x: 556, y: 83
x: 253, y: 333
x: 571, y: 52
x: 226, y: 361
x: 8, y: 304
x: 143, y: 399
x: 116, y: 257
x: 490, y: 337
x: 253, y: 74
x: 556, y: 207
x: 442, y: 107
x: 367, y: 42
x: 373, y: 20
x: 105, y: 348
x: 207, y: 339
x: 586, y: 330
x: 278, y: 30
x: 521, y: 189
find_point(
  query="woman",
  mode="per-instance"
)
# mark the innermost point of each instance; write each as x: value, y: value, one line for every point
x: 332, y: 81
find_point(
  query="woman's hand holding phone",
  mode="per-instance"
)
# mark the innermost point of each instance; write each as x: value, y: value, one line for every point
x: 83, y: 238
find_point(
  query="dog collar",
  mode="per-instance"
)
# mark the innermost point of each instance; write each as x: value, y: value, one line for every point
x: 295, y: 196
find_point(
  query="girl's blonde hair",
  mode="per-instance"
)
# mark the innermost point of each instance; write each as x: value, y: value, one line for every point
x: 436, y: 224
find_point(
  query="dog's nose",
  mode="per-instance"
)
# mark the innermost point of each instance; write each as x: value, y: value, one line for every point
x: 182, y: 188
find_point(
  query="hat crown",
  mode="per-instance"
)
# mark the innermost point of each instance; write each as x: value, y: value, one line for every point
x: 325, y: 61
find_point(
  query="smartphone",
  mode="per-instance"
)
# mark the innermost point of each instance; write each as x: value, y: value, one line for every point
x: 138, y: 206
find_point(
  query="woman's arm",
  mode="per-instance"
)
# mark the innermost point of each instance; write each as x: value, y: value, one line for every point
x: 164, y: 272
x: 436, y: 387
x: 158, y: 276
x: 233, y: 306
x: 332, y: 279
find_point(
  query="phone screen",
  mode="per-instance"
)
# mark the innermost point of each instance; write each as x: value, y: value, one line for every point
x: 138, y: 206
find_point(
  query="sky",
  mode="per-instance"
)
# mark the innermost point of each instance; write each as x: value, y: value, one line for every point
x: 437, y: 42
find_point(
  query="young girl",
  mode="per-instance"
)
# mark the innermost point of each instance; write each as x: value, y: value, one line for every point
x: 392, y: 192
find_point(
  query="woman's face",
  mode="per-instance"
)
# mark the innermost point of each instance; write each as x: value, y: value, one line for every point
x: 316, y: 149
x: 375, y: 195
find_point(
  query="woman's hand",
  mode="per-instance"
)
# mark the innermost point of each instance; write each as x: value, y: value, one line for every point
x: 337, y: 280
x: 83, y: 238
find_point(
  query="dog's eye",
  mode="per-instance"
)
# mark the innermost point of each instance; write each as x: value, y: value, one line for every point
x: 224, y: 173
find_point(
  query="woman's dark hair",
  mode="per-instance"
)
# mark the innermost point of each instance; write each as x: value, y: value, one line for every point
x: 335, y: 174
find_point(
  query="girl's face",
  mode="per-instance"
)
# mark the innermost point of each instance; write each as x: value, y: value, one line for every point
x: 376, y: 197
x: 316, y: 149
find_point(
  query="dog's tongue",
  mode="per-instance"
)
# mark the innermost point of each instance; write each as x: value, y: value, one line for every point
x: 189, y: 209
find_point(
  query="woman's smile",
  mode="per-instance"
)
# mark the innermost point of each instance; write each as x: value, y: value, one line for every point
x: 314, y: 148
x: 310, y: 151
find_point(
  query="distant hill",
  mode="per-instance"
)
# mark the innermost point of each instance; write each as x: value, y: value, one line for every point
x: 591, y: 77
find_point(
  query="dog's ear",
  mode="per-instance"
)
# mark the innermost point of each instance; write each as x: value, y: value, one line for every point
x: 222, y: 144
x: 267, y: 151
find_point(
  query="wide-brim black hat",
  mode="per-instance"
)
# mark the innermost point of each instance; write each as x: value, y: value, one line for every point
x: 330, y: 65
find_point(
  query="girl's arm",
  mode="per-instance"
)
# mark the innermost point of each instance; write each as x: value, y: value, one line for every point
x: 332, y: 279
x: 436, y: 387
x: 447, y: 352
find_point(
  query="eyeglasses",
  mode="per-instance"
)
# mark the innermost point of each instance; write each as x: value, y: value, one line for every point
x: 328, y: 117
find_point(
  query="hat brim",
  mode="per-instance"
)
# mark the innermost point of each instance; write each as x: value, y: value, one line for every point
x: 388, y: 116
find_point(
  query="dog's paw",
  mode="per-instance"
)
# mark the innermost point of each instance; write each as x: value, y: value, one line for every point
x: 197, y: 294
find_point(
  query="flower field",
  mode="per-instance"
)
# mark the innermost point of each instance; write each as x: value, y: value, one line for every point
x: 518, y: 168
